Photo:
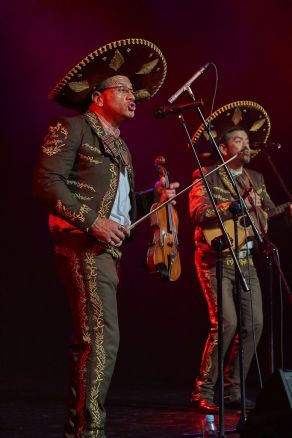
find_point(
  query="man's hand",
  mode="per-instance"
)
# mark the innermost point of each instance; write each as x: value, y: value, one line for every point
x: 161, y: 194
x: 109, y: 231
x: 290, y: 209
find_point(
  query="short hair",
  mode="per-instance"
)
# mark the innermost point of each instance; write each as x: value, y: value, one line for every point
x: 225, y: 137
x: 108, y: 82
x: 103, y: 84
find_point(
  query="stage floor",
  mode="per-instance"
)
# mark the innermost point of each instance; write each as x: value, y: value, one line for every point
x: 139, y: 410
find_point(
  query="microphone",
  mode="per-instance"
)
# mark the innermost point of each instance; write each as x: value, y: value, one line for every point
x: 164, y: 111
x: 267, y: 146
x: 188, y: 83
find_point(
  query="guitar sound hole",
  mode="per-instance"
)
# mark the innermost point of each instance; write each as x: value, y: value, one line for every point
x: 244, y: 221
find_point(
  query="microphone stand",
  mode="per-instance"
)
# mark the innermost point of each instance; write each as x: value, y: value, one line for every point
x: 272, y: 256
x: 235, y: 210
x: 240, y: 278
x: 218, y: 246
x: 284, y: 187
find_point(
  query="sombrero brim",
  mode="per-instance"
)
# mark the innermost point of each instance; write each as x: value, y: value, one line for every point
x: 138, y: 59
x: 243, y: 114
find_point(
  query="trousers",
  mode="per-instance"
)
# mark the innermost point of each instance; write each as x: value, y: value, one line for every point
x: 90, y: 277
x: 252, y: 326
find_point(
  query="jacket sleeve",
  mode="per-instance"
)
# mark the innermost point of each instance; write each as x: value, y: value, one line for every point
x: 278, y: 214
x: 56, y: 160
x: 200, y: 206
x: 267, y: 203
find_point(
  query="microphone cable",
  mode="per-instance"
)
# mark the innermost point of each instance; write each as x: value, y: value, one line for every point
x: 215, y: 91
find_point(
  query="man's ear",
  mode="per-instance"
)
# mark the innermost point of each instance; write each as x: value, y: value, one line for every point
x: 97, y: 98
x: 222, y: 148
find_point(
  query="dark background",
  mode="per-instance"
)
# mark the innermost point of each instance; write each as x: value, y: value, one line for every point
x: 163, y: 325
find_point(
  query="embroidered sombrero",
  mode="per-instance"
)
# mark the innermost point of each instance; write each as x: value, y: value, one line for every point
x: 243, y: 114
x: 138, y: 59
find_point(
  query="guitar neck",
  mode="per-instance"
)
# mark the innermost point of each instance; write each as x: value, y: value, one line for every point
x: 278, y: 210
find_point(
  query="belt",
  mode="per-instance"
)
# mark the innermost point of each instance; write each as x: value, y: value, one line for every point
x: 245, y: 257
x: 244, y: 253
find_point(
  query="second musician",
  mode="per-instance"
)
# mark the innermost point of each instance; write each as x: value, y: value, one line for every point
x: 232, y: 126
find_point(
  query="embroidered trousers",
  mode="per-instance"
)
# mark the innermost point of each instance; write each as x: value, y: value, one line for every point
x: 252, y: 320
x: 90, y: 278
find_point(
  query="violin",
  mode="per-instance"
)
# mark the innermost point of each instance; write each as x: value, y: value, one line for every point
x: 163, y: 257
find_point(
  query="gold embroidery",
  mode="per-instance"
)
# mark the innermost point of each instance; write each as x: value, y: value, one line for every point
x: 92, y: 148
x: 257, y: 125
x: 98, y: 337
x: 82, y: 197
x: 147, y: 67
x: 92, y: 118
x: 209, y: 212
x: 223, y: 175
x: 242, y: 261
x: 79, y: 86
x: 117, y: 61
x: 220, y: 197
x: 237, y: 116
x: 55, y: 139
x: 207, y: 361
x: 231, y: 106
x: 115, y: 147
x: 229, y: 262
x: 220, y: 189
x: 89, y: 158
x: 142, y: 94
x: 81, y: 185
x: 110, y: 194
x: 76, y: 274
x: 90, y: 339
x: 224, y: 207
x: 212, y: 341
x: 116, y: 253
x: 213, y: 133
x: 71, y: 214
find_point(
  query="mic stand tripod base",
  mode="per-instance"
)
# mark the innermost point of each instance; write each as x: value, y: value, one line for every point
x: 194, y: 434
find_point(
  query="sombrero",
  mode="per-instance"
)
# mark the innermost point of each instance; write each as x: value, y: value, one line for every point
x: 243, y: 114
x: 138, y: 59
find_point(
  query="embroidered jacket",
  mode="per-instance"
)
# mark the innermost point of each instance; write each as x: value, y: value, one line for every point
x: 201, y: 209
x: 77, y: 173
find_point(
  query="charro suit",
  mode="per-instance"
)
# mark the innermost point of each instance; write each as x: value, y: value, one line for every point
x: 77, y: 177
x: 78, y: 171
x: 203, y: 216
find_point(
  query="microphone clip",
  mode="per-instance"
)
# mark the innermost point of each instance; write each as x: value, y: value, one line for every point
x: 164, y: 111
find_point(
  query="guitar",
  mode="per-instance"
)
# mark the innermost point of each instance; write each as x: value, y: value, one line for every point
x: 244, y: 226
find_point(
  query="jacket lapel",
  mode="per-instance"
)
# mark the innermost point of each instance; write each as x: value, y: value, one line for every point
x: 114, y: 147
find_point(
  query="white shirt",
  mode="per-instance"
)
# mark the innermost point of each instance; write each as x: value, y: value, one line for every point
x: 121, y: 208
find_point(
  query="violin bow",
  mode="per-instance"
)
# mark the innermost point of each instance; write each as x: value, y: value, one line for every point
x: 143, y: 218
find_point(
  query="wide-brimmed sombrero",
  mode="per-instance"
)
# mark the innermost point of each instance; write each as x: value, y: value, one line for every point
x: 138, y: 59
x: 243, y: 114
